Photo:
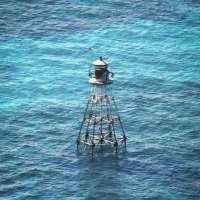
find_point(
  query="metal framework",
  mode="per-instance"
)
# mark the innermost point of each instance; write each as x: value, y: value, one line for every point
x: 101, y: 124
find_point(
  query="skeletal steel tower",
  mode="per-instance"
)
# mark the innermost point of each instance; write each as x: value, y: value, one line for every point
x: 101, y: 125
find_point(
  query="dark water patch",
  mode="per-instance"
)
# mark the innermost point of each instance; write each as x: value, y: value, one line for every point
x: 191, y: 85
x: 5, y: 133
x: 4, y: 192
x: 7, y: 157
x: 45, y: 114
x: 195, y: 134
x: 195, y: 153
x: 145, y: 84
x: 7, y: 181
x: 31, y: 196
x: 189, y: 182
x: 30, y: 174
x: 6, y: 169
x: 193, y: 3
x: 49, y: 18
x: 7, y: 73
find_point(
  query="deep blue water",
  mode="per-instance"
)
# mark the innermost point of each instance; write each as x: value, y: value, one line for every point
x: 153, y: 47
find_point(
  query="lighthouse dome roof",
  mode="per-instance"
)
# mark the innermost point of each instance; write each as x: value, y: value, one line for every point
x: 100, y: 62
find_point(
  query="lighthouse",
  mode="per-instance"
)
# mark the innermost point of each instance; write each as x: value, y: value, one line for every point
x: 101, y: 125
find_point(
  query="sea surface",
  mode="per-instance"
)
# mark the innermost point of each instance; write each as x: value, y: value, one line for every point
x: 46, y: 50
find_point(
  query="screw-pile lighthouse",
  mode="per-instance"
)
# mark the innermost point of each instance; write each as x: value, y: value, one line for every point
x: 101, y: 124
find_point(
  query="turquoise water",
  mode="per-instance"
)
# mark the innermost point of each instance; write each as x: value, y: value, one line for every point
x: 153, y: 49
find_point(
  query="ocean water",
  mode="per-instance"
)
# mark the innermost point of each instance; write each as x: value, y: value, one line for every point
x: 153, y: 47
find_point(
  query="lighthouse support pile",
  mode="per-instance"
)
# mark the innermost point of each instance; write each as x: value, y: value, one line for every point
x: 101, y: 125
